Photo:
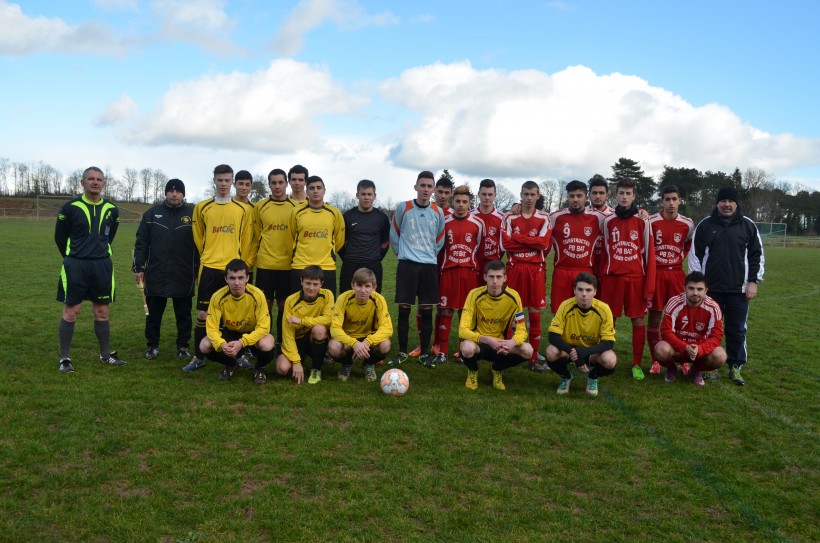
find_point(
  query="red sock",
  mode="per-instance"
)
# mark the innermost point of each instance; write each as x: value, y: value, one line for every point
x: 443, y: 325
x: 638, y: 340
x: 535, y: 334
x: 653, y: 336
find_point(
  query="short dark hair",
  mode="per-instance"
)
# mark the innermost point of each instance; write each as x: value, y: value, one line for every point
x: 298, y: 169
x: 531, y: 185
x: 277, y: 171
x: 314, y: 179
x: 444, y: 182
x: 425, y: 175
x: 241, y: 175
x: 235, y: 265
x: 495, y: 265
x: 574, y: 185
x: 362, y: 276
x: 598, y: 182
x: 696, y: 277
x: 93, y: 169
x: 365, y: 184
x: 669, y: 189
x: 313, y: 272
x: 585, y: 277
x: 487, y: 183
x: 223, y: 168
x: 625, y: 183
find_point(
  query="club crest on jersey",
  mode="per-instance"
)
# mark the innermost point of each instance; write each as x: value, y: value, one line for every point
x: 587, y: 230
x: 677, y: 237
x: 186, y: 219
x: 533, y: 233
x: 468, y: 237
x: 493, y: 230
x: 633, y: 235
x: 699, y: 327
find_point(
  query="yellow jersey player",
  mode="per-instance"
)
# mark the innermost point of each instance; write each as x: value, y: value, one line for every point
x: 489, y: 313
x: 582, y: 331
x: 361, y: 327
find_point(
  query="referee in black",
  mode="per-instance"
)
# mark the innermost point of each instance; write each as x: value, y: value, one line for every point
x: 367, y: 237
x: 85, y: 229
x: 166, y: 262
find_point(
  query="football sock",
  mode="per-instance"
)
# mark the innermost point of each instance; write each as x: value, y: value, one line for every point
x: 600, y: 371
x: 426, y: 329
x: 199, y: 335
x: 280, y: 316
x: 443, y: 325
x: 653, y: 336
x: 560, y: 367
x: 102, y: 329
x: 535, y: 334
x: 65, y: 332
x: 471, y: 363
x: 404, y: 327
x: 318, y: 350
x: 638, y: 339
x: 418, y: 325
x: 263, y: 358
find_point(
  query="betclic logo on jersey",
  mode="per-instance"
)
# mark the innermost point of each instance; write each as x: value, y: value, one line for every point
x: 324, y: 234
x: 275, y: 227
x: 224, y: 229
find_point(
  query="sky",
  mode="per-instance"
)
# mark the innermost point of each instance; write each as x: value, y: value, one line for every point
x: 355, y: 89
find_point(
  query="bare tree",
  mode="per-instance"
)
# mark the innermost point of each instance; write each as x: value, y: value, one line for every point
x: 552, y: 193
x: 74, y: 182
x: 504, y: 197
x: 5, y: 164
x: 146, y: 176
x: 158, y: 179
x: 130, y: 180
x: 342, y: 200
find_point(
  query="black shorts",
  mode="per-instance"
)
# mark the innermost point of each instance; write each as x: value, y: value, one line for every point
x: 329, y: 283
x: 91, y: 280
x: 416, y: 280
x: 232, y: 335
x: 488, y: 353
x: 349, y: 268
x: 210, y: 280
x: 274, y: 283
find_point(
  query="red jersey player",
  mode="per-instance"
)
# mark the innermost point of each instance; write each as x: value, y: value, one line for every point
x: 598, y: 195
x: 628, y: 268
x: 691, y: 331
x: 463, y: 237
x: 672, y: 235
x: 574, y: 236
x: 526, y: 238
x: 491, y: 217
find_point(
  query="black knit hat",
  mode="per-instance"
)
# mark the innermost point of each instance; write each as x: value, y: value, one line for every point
x: 175, y: 184
x: 726, y: 193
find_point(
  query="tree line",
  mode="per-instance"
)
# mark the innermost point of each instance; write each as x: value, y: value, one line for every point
x: 763, y: 198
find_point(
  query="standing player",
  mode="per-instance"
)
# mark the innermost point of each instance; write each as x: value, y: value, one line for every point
x: 444, y: 192
x: 166, y: 262
x: 238, y: 318
x: 297, y: 179
x: 307, y: 318
x: 691, y: 331
x: 628, y: 274
x: 243, y: 184
x: 582, y: 331
x: 463, y: 237
x: 490, y: 312
x: 223, y: 232
x: 526, y: 237
x: 574, y: 237
x: 491, y: 217
x: 672, y: 236
x: 318, y: 232
x: 361, y: 326
x: 598, y: 195
x: 85, y: 229
x: 272, y: 217
x: 367, y: 236
x: 417, y: 236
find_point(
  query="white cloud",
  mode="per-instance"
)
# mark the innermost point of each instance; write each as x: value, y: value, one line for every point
x: 117, y: 111
x: 204, y: 23
x: 571, y: 124
x: 310, y: 14
x: 270, y: 110
x: 21, y: 34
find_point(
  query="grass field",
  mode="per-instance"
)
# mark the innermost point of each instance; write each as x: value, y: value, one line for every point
x: 147, y: 453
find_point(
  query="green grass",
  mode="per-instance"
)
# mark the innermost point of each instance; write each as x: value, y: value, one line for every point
x: 147, y: 453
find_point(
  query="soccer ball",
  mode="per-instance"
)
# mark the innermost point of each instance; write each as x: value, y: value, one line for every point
x: 395, y: 382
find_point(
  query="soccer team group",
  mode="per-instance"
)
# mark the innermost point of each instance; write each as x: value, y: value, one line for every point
x: 244, y: 260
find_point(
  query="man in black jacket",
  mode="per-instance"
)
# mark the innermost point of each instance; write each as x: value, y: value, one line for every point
x: 727, y: 249
x: 166, y: 263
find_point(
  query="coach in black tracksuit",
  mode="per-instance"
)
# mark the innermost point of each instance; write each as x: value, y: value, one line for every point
x: 726, y: 248
x: 165, y: 257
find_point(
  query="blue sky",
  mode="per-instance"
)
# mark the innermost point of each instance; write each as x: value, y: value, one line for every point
x: 381, y: 90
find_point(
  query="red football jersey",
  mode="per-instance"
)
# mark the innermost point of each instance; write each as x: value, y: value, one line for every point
x: 683, y: 325
x: 526, y: 239
x: 672, y: 239
x: 491, y: 249
x: 573, y: 238
x: 462, y: 241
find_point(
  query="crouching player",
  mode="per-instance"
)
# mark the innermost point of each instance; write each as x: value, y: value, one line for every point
x: 691, y: 330
x: 361, y: 327
x: 306, y: 319
x: 582, y: 331
x: 489, y: 312
x: 238, y: 317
